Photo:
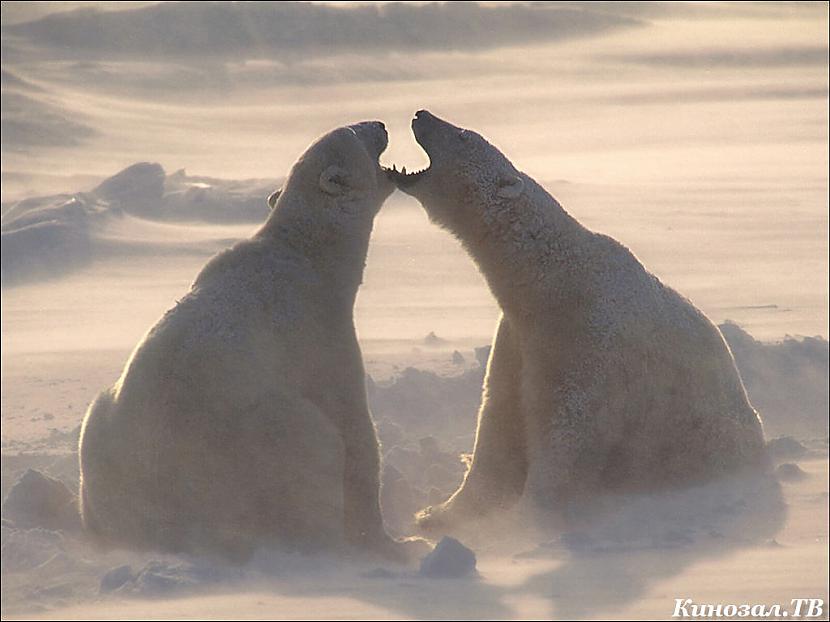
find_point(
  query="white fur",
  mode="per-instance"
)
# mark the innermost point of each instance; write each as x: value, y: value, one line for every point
x: 600, y: 377
x: 241, y: 420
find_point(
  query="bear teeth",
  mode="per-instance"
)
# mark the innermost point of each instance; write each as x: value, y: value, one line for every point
x: 403, y: 172
x: 403, y: 177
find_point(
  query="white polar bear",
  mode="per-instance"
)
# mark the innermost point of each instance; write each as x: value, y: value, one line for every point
x: 600, y: 377
x: 241, y: 419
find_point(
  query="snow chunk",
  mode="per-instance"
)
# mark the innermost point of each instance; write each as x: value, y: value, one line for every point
x: 37, y: 500
x: 115, y: 578
x: 449, y: 559
x: 785, y: 447
x: 25, y: 549
x: 434, y: 340
x: 790, y: 472
x: 138, y: 186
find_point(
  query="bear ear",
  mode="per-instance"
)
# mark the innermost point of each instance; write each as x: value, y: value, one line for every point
x: 510, y: 186
x: 272, y: 198
x: 334, y: 180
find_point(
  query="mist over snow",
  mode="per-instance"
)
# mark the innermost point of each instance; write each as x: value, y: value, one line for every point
x: 139, y: 139
x: 426, y: 423
x: 695, y: 133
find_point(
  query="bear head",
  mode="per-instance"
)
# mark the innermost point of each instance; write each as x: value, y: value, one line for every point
x: 340, y: 172
x: 467, y: 179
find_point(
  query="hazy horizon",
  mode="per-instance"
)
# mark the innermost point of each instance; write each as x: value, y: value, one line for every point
x: 139, y: 139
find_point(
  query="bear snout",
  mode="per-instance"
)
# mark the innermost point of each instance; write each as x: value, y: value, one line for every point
x: 373, y: 135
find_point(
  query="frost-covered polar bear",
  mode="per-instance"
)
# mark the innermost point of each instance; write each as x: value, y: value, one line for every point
x: 241, y: 419
x: 600, y: 377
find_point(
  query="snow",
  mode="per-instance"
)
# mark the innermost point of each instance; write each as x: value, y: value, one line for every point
x: 671, y: 541
x: 786, y: 379
x: 785, y: 447
x: 45, y: 237
x: 716, y: 178
x: 424, y: 405
x: 116, y: 578
x: 37, y: 500
x: 449, y: 560
x: 789, y: 472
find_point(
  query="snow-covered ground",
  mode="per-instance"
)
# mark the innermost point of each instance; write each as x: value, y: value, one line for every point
x: 749, y: 542
x: 696, y: 134
x: 67, y: 337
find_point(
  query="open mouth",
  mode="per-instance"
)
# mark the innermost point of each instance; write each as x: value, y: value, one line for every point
x: 402, y: 178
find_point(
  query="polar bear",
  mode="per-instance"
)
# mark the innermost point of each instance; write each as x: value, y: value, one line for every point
x: 600, y: 377
x: 241, y: 419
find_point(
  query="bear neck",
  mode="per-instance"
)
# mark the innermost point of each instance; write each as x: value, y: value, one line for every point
x: 332, y: 244
x: 523, y: 245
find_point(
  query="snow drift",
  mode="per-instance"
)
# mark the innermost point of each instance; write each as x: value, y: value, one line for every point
x: 44, y: 237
